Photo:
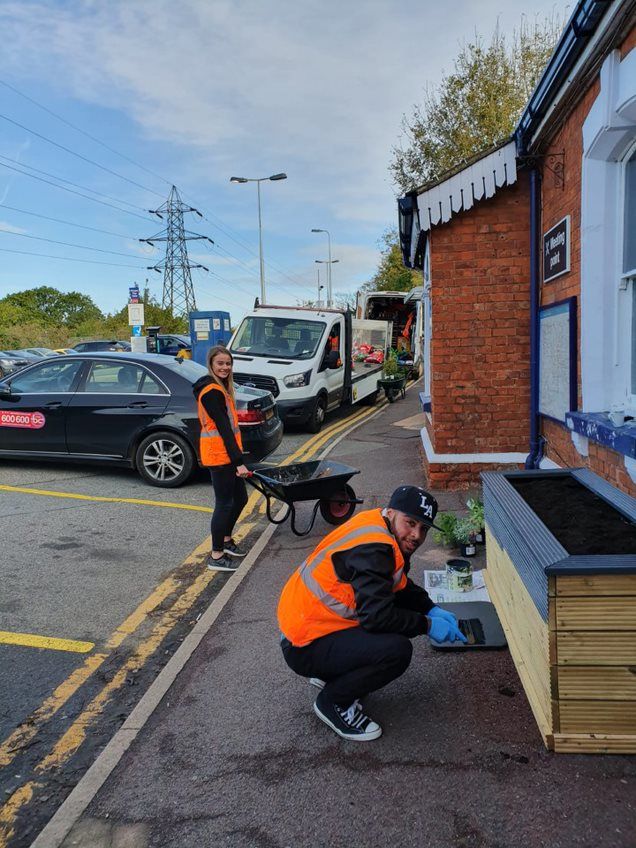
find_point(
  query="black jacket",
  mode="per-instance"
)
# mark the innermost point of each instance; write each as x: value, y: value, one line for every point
x: 369, y: 569
x: 214, y: 405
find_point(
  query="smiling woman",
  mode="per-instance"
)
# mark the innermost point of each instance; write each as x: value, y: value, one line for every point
x: 221, y: 450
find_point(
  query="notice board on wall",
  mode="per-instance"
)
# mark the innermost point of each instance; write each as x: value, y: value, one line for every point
x: 557, y: 359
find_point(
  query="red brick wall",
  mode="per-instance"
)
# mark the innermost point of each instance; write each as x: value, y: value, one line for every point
x: 556, y: 203
x: 601, y: 460
x: 480, y: 349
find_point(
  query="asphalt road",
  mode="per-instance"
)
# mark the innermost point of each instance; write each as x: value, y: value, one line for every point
x: 117, y: 583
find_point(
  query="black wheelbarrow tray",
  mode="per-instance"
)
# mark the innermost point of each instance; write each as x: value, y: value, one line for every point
x: 323, y: 481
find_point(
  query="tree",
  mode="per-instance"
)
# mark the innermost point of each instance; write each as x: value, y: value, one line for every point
x: 48, y: 306
x: 391, y: 274
x: 476, y: 106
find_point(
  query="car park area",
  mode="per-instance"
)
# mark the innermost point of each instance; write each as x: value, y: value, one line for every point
x: 102, y: 578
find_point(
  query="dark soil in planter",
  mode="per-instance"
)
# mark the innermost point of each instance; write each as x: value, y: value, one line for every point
x: 580, y: 520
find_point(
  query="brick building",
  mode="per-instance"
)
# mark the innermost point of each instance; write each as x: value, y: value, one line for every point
x: 528, y: 256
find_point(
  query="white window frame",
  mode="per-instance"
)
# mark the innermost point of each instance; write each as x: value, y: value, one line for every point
x: 626, y: 295
x: 609, y: 136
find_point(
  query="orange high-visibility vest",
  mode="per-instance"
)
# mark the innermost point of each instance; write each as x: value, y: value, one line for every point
x: 314, y: 601
x: 211, y: 445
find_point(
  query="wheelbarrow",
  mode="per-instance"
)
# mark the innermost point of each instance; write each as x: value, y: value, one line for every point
x: 324, y: 481
x: 393, y: 386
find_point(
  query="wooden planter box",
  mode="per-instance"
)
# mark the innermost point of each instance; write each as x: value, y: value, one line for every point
x: 561, y: 572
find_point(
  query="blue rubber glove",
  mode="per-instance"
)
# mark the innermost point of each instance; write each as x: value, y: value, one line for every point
x: 441, y: 630
x: 438, y: 612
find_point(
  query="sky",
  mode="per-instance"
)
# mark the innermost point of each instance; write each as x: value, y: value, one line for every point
x: 124, y: 99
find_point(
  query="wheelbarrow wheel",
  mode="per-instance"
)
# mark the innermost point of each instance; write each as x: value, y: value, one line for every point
x: 336, y: 511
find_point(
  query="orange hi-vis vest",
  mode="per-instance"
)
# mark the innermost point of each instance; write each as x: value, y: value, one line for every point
x: 314, y: 601
x: 211, y: 445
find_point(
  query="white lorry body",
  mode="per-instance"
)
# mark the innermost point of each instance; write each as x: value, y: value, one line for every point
x: 305, y: 357
x: 404, y: 311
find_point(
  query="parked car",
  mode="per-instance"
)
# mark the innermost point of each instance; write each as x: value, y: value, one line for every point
x: 64, y: 350
x: 11, y: 360
x: 40, y: 351
x: 101, y: 344
x: 135, y: 410
x: 174, y: 344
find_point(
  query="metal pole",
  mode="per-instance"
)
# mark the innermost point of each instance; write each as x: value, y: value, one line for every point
x: 318, y: 301
x: 260, y: 243
x: 329, y: 292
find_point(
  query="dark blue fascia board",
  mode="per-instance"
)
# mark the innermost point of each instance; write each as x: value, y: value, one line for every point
x: 576, y: 35
x: 598, y: 427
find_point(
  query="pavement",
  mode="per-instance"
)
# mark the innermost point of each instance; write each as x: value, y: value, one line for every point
x: 232, y: 754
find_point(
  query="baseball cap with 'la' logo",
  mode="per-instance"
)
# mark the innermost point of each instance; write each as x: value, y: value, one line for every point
x: 416, y: 502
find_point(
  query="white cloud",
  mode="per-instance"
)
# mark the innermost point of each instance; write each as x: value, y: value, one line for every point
x: 316, y: 88
x: 5, y: 227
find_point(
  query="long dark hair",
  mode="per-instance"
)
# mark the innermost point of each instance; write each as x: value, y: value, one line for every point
x: 227, y: 384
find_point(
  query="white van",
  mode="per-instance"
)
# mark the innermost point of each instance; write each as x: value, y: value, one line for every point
x: 311, y: 360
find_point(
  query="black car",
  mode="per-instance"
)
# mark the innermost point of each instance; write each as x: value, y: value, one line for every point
x: 101, y: 344
x: 128, y: 409
x: 12, y: 360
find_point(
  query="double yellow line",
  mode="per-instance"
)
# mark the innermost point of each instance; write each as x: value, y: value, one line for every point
x: 72, y: 739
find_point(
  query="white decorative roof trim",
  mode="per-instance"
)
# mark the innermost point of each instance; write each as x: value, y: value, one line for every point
x: 461, y: 191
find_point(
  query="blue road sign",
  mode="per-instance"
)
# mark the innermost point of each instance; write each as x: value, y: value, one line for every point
x: 136, y: 330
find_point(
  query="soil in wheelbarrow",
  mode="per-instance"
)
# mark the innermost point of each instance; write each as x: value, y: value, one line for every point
x: 579, y: 519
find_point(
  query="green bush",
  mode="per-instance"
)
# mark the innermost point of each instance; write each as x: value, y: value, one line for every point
x: 447, y: 522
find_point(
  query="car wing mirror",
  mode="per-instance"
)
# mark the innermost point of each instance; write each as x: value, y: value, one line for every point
x: 5, y: 390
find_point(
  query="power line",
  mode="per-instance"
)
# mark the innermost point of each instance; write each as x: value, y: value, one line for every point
x: 83, y: 132
x: 61, y: 221
x: 78, y: 155
x: 72, y: 191
x: 73, y: 259
x: 272, y: 265
x: 65, y: 243
x: 70, y: 182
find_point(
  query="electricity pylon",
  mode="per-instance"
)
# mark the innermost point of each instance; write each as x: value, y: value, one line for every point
x: 178, y: 291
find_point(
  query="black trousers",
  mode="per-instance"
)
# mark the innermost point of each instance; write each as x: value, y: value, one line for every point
x: 230, y: 497
x: 352, y: 662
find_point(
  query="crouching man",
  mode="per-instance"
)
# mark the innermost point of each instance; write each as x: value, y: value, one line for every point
x: 347, y: 615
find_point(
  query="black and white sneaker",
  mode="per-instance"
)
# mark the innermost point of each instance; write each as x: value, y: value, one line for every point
x: 317, y: 682
x: 232, y: 549
x: 349, y: 722
x: 223, y: 563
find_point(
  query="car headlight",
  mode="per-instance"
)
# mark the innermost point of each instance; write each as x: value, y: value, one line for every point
x: 296, y: 380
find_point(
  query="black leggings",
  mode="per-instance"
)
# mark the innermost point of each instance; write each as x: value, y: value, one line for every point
x: 230, y: 497
x: 352, y: 662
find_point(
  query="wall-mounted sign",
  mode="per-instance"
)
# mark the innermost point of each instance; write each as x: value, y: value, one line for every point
x: 136, y: 330
x: 557, y: 359
x: 201, y: 325
x: 139, y: 344
x: 216, y: 323
x: 226, y: 324
x: 556, y: 250
x: 135, y: 313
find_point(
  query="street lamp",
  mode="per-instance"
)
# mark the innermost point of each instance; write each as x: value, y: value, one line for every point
x: 320, y: 288
x: 328, y: 263
x: 329, y: 291
x: 258, y: 182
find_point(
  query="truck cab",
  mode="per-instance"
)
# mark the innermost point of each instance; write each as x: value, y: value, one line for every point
x: 303, y: 357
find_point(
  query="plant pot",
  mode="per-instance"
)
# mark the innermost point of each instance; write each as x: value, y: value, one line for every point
x: 468, y: 550
x: 480, y: 537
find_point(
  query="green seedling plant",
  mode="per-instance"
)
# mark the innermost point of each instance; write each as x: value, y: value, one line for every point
x: 476, y: 513
x: 464, y: 531
x: 446, y: 522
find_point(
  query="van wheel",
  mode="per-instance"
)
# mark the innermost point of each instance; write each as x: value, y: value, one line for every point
x: 317, y: 417
x: 164, y: 459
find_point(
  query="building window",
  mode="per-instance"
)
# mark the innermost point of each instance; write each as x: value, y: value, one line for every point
x: 608, y: 242
x: 628, y: 276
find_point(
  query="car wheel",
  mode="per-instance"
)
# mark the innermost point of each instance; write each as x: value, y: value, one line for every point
x: 164, y: 459
x: 317, y: 417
